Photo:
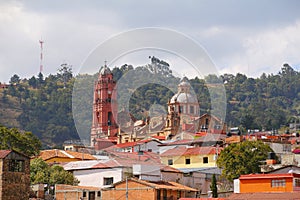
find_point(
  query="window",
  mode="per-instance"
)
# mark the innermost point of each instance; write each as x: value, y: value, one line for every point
x: 297, y: 182
x: 278, y: 183
x: 98, y: 194
x: 16, y: 165
x: 84, y: 194
x: 192, y: 109
x: 178, y: 194
x: 205, y: 159
x: 187, y: 161
x: 108, y: 181
x: 165, y: 196
x: 170, y: 162
x: 157, y: 194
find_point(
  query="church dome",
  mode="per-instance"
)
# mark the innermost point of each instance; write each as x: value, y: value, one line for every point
x: 183, y: 95
x: 184, y: 98
x: 105, y: 70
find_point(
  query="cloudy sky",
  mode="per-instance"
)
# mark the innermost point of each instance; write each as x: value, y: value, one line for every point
x: 249, y: 37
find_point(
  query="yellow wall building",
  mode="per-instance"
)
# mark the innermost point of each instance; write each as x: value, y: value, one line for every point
x: 190, y: 157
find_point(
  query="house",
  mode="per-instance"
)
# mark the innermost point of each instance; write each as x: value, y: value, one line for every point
x: 147, y: 190
x: 150, y: 145
x: 70, y: 192
x: 104, y: 173
x: 253, y: 183
x: 14, y: 175
x: 200, y: 178
x: 61, y: 156
x: 285, y: 170
x: 212, y: 124
x: 191, y: 157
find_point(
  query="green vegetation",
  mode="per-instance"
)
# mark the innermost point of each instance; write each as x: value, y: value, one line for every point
x: 41, y: 172
x: 242, y: 158
x: 213, y: 186
x: 43, y: 105
x: 23, y: 142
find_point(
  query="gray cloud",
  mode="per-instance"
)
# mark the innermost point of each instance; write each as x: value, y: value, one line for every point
x: 236, y: 34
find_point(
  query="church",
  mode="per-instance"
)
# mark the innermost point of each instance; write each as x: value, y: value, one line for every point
x: 183, y: 116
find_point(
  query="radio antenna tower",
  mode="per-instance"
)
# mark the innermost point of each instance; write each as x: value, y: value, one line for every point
x: 41, y: 56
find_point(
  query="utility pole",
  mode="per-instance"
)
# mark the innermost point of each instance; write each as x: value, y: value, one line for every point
x: 126, y: 188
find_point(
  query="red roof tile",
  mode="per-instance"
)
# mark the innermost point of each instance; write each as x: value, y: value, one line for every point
x: 263, y: 176
x: 56, y: 153
x: 179, y: 151
x: 4, y: 153
x: 159, y: 137
x: 161, y: 185
x: 266, y: 195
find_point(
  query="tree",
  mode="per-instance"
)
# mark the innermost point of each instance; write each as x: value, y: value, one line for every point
x: 213, y: 186
x: 23, y: 142
x: 41, y: 172
x: 242, y: 158
x: 15, y: 79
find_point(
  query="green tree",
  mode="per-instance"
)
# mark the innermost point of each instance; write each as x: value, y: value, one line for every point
x: 24, y: 142
x: 41, y: 172
x: 15, y: 79
x: 213, y: 186
x: 242, y: 158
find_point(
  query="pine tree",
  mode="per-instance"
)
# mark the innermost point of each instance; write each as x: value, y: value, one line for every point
x: 213, y: 186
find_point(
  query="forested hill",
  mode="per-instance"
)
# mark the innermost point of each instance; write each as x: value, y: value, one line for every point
x: 43, y: 105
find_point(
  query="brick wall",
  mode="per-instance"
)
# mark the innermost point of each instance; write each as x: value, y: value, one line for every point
x: 14, y: 185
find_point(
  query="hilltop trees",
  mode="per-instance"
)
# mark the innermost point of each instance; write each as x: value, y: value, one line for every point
x: 43, y: 105
x: 242, y: 158
x: 23, y: 142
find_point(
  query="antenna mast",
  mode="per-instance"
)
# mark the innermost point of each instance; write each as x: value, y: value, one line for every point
x: 41, y: 56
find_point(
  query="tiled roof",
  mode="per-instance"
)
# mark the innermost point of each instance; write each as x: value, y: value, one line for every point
x: 159, y: 137
x: 268, y: 176
x: 184, y: 151
x: 201, y: 199
x: 162, y: 185
x: 265, y: 195
x: 57, y: 153
x: 72, y: 187
x: 124, y: 145
x: 4, y: 153
x: 121, y: 160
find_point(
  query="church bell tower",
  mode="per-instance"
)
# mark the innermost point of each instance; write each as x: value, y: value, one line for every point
x: 104, y: 107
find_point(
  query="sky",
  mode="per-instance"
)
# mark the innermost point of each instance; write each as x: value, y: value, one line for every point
x: 249, y: 37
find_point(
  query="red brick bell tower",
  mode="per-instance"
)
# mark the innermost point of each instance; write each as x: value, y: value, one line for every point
x: 104, y: 126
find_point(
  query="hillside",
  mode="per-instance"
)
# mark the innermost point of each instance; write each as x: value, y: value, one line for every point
x: 43, y: 105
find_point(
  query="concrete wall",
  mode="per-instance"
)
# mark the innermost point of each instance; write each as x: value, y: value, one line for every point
x: 95, y: 177
x: 196, y: 161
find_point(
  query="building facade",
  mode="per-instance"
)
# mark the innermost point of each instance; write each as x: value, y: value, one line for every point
x: 14, y: 175
x: 105, y: 107
x: 254, y: 183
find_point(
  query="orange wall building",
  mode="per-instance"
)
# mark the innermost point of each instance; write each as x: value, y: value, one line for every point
x: 269, y: 183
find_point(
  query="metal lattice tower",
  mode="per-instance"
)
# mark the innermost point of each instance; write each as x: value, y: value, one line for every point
x: 41, y: 56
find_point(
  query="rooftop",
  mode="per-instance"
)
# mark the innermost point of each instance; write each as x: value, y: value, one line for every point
x: 184, y: 151
x: 4, y: 153
x: 268, y: 176
x: 57, y: 153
